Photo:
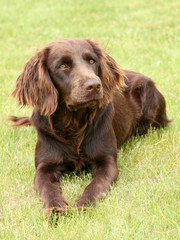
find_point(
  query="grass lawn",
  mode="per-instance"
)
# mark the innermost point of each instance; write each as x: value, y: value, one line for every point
x: 141, y: 35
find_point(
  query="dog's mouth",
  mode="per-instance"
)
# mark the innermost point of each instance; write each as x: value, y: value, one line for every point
x: 90, y: 104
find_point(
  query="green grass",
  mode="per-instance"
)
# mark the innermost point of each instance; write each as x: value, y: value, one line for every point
x: 140, y: 35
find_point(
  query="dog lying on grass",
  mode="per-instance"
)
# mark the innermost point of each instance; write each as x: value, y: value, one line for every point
x: 85, y: 108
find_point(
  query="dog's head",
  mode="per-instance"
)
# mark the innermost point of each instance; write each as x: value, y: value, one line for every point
x: 75, y: 71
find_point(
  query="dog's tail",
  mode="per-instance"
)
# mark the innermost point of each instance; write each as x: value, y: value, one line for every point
x: 19, y: 121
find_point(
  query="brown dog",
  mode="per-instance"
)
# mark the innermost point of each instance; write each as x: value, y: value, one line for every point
x: 83, y: 112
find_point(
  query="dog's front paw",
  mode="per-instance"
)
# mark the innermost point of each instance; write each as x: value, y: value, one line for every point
x: 56, y: 212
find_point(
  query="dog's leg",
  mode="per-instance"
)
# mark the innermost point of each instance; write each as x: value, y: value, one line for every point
x: 105, y: 173
x: 48, y: 186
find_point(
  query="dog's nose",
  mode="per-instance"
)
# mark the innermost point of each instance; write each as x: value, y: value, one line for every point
x: 92, y: 85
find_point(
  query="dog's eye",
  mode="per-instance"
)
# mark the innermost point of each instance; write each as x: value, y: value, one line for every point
x: 91, y: 61
x: 63, y: 66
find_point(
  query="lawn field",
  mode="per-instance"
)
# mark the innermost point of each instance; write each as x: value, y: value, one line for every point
x: 141, y: 35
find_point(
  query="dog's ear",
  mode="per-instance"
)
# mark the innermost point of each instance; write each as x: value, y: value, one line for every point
x: 34, y: 86
x: 110, y: 73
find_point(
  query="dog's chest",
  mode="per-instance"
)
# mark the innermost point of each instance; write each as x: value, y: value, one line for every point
x: 78, y: 160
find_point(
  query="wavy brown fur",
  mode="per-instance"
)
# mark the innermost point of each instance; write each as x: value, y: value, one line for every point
x: 19, y: 121
x: 83, y: 112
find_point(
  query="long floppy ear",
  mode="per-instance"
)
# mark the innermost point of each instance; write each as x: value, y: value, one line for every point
x: 34, y: 86
x: 110, y: 73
